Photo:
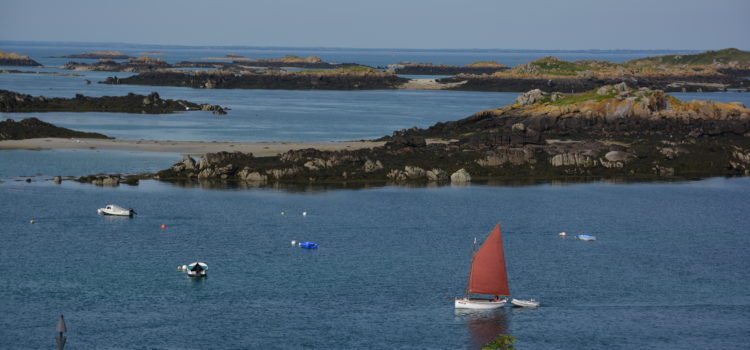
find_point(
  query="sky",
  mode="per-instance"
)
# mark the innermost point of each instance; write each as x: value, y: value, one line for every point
x: 439, y: 24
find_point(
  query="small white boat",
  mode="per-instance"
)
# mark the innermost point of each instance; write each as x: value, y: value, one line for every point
x: 524, y: 303
x: 113, y: 209
x: 586, y: 237
x: 479, y: 304
x: 197, y: 269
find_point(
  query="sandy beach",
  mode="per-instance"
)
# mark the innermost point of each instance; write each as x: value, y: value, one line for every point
x: 185, y: 147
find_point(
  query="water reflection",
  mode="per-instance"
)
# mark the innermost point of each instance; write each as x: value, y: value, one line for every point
x: 483, y: 326
x: 215, y: 184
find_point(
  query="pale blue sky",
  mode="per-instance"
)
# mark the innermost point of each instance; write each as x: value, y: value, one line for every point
x: 499, y: 24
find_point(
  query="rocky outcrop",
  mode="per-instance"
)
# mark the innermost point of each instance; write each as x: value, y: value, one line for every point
x: 460, y: 176
x: 131, y: 103
x: 329, y: 80
x: 530, y: 97
x: 31, y: 128
x: 612, y: 132
x: 113, y: 55
x: 14, y: 59
x: 433, y: 69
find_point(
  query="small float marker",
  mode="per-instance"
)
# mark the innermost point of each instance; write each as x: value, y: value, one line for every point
x: 163, y: 226
x: 304, y: 213
x: 283, y: 213
x: 32, y: 221
x: 294, y: 243
x: 562, y: 234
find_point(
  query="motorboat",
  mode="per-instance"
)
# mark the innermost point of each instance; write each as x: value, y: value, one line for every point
x: 308, y: 245
x: 524, y: 303
x: 116, y: 210
x: 197, y: 269
x: 587, y: 237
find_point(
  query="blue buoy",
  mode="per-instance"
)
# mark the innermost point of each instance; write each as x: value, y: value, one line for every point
x: 308, y: 245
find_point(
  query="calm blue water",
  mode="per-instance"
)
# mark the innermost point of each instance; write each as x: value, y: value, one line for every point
x: 46, y: 164
x: 669, y: 270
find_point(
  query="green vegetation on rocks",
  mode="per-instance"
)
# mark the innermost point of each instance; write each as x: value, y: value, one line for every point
x: 14, y: 59
x: 725, y: 57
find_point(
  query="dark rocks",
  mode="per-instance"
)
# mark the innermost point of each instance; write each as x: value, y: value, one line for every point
x: 249, y: 80
x: 130, y: 103
x: 30, y: 128
x: 399, y: 142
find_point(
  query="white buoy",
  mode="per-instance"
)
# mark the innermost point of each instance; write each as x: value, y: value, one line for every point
x: 304, y: 213
x: 562, y: 234
x: 294, y: 243
x: 32, y: 221
x: 283, y: 213
x: 184, y: 267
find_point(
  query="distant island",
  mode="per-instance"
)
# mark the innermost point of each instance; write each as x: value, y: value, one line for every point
x: 114, y: 55
x: 612, y: 132
x: 132, y: 103
x: 708, y: 71
x: 479, y: 67
x: 344, y: 78
x: 34, y: 128
x: 14, y: 59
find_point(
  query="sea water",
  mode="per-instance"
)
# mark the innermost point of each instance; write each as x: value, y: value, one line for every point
x: 668, y: 271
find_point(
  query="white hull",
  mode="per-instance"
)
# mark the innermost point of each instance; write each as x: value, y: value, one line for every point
x: 524, y: 303
x: 115, y: 210
x: 479, y: 304
x: 196, y: 274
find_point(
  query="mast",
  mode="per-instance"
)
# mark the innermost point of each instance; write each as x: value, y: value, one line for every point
x: 473, y: 253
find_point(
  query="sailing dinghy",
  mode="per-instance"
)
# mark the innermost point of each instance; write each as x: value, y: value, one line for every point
x: 487, y: 275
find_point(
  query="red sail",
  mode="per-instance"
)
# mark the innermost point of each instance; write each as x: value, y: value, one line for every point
x: 488, y: 275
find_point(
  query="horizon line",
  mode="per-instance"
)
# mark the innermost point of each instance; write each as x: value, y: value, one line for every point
x: 341, y: 47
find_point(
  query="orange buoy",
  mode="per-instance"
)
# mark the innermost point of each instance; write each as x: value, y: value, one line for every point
x: 163, y: 226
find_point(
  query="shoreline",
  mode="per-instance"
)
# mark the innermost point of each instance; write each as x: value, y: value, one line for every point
x: 260, y: 149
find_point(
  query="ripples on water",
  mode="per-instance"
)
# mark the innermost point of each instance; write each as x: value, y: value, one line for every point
x: 668, y: 271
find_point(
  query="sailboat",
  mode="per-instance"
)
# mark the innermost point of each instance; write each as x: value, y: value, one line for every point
x: 487, y: 274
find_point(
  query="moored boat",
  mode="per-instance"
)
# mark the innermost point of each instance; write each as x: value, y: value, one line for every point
x: 116, y: 210
x: 587, y: 237
x: 524, y: 303
x: 197, y: 269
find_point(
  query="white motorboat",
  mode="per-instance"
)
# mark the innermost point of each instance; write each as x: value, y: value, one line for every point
x: 197, y: 269
x: 117, y: 210
x: 587, y: 237
x: 524, y: 303
x: 487, y: 275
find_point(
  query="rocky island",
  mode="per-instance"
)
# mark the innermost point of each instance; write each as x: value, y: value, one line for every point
x: 344, y: 78
x: 131, y: 103
x: 707, y: 71
x: 113, y: 55
x: 30, y: 128
x: 480, y: 67
x: 14, y: 59
x: 612, y: 132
